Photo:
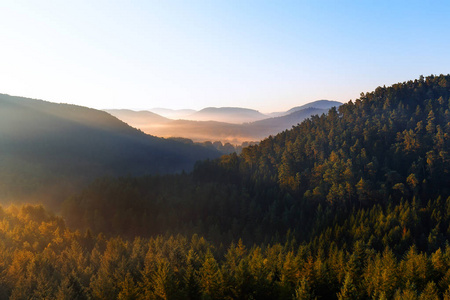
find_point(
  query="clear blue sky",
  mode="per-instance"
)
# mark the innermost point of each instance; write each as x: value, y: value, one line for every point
x: 266, y: 55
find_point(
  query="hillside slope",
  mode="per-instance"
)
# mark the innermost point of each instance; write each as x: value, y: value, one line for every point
x: 45, y: 145
x: 385, y: 149
x: 369, y: 221
x: 392, y: 142
x: 200, y: 131
x: 319, y: 104
x: 273, y: 126
x: 137, y: 119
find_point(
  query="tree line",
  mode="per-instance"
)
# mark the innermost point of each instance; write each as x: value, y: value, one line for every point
x: 358, y: 259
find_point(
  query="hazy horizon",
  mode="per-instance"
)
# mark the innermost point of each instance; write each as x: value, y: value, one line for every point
x: 263, y: 55
x: 202, y: 108
x: 152, y: 109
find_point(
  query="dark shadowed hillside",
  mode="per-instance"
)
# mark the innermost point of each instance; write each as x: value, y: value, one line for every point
x: 45, y: 145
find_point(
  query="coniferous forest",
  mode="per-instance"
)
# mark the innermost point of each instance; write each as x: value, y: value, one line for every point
x: 352, y: 204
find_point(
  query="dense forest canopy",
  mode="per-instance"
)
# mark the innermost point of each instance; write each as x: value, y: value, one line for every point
x: 386, y: 146
x: 352, y: 204
x: 41, y: 258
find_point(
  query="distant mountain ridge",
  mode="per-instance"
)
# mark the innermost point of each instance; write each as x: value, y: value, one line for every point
x: 235, y: 115
x: 320, y: 104
x: 215, y: 128
x: 276, y: 125
x: 44, y: 144
x: 137, y: 118
x: 174, y: 114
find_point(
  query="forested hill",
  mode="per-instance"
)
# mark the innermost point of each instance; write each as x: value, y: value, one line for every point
x: 47, y: 147
x: 392, y: 142
x: 386, y: 146
x: 349, y: 205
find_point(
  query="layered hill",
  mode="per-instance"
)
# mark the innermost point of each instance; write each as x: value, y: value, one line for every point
x: 349, y: 205
x: 173, y: 114
x: 272, y: 126
x: 47, y: 147
x: 227, y: 132
x: 200, y: 131
x: 235, y: 115
x: 138, y: 119
x: 318, y: 104
x: 387, y: 149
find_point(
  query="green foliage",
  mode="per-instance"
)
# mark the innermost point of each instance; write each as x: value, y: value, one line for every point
x: 354, y: 204
x: 44, y: 259
x: 389, y: 145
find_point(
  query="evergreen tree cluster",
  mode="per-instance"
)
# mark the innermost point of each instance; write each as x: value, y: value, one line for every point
x: 354, y: 204
x: 42, y: 259
x: 392, y: 142
x: 386, y: 147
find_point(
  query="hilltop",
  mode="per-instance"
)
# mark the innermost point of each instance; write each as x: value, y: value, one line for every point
x: 236, y: 115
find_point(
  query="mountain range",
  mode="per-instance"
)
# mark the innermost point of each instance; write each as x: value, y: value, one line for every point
x: 174, y: 114
x: 235, y: 115
x: 226, y: 124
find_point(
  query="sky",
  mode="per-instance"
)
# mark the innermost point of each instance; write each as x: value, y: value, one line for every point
x: 265, y: 55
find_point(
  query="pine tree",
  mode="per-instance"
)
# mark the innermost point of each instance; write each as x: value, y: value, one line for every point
x: 430, y: 292
x: 211, y: 278
x: 303, y: 291
x: 348, y: 289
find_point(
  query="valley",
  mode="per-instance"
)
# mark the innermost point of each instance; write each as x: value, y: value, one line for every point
x: 227, y: 125
x: 219, y: 150
x: 351, y: 204
x: 49, y: 150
